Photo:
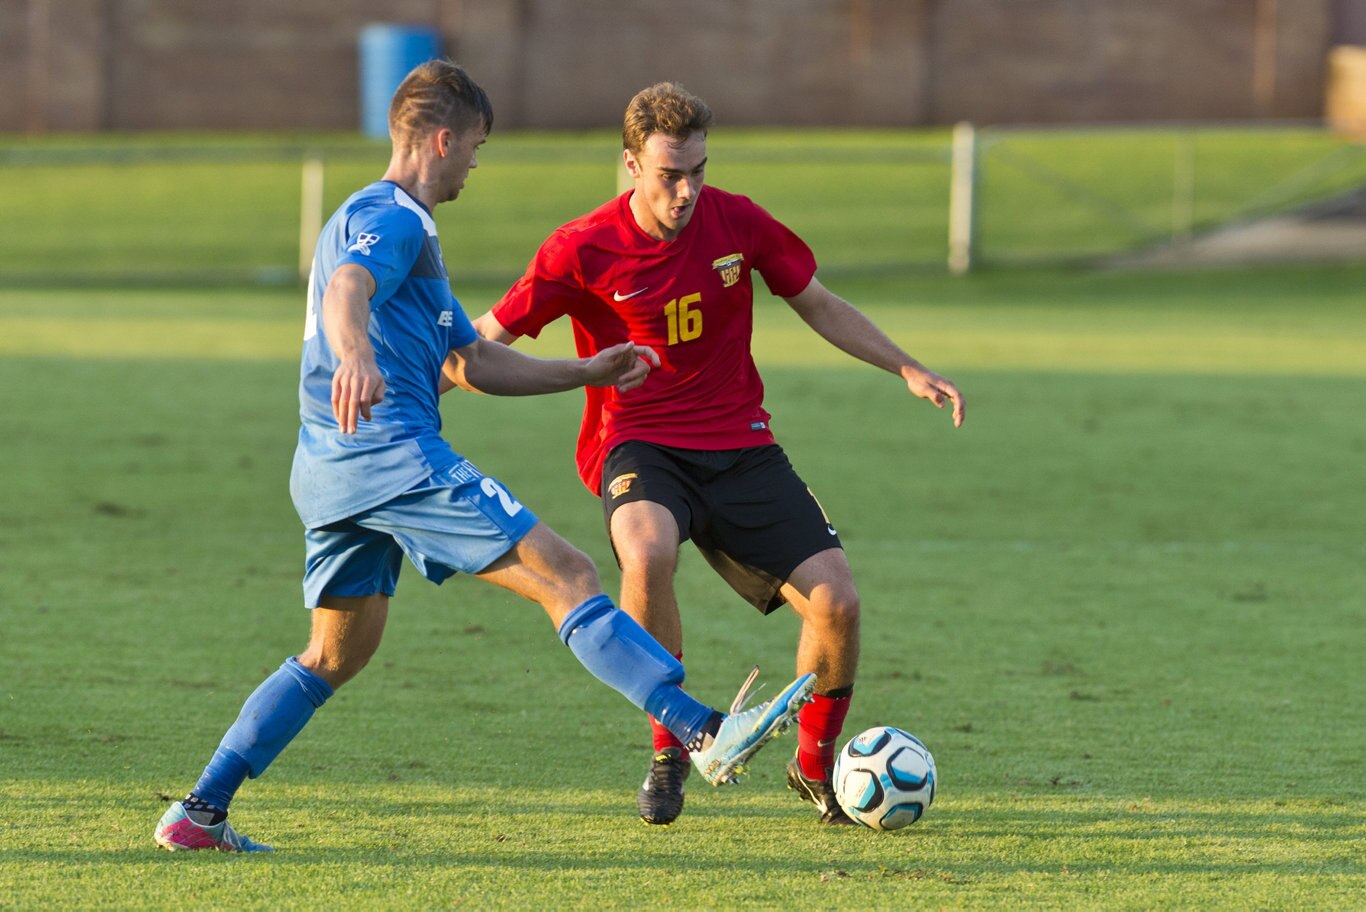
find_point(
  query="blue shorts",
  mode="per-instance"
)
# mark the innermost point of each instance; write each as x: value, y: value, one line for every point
x: 457, y: 521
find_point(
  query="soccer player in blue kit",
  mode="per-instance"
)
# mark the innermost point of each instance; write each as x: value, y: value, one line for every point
x: 373, y: 479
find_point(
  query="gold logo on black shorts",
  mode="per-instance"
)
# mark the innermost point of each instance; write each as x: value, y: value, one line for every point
x: 621, y: 484
x: 729, y: 267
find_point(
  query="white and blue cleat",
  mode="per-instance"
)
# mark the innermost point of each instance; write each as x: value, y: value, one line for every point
x: 744, y: 731
x: 178, y: 832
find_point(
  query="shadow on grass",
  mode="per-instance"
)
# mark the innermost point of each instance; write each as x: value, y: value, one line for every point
x: 547, y: 832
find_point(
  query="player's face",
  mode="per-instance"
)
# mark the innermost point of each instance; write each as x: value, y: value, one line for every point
x: 462, y: 155
x: 669, y: 177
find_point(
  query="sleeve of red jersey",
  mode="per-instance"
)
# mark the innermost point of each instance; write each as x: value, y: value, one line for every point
x: 544, y: 293
x: 782, y: 258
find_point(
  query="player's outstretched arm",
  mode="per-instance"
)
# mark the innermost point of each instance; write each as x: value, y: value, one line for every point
x: 847, y: 328
x: 488, y: 327
x: 357, y: 383
x: 490, y: 367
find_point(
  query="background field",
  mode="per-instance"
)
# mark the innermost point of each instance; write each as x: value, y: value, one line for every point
x: 137, y: 209
x: 1122, y: 605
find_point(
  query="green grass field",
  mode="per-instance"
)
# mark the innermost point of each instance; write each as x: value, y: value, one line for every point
x: 1122, y: 605
x: 135, y: 209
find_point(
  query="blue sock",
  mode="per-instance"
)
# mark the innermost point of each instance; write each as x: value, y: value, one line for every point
x: 622, y: 655
x: 274, y: 713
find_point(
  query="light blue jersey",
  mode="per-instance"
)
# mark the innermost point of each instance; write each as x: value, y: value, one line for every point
x: 414, y: 322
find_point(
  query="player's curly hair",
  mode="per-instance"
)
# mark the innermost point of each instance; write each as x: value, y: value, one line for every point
x: 665, y: 107
x: 436, y: 94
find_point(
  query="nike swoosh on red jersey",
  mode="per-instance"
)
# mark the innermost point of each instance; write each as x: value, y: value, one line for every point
x: 618, y: 296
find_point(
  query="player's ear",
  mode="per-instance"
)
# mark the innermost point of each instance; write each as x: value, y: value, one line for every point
x: 441, y: 141
x: 632, y: 165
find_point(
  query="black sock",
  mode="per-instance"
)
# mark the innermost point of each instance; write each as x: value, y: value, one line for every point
x: 708, y: 733
x: 202, y: 812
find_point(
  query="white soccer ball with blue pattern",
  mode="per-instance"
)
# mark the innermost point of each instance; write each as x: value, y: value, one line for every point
x: 885, y: 778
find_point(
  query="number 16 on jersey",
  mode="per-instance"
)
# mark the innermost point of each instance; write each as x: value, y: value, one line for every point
x: 685, y: 321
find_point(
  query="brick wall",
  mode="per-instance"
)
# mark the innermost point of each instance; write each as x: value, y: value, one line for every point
x: 283, y: 64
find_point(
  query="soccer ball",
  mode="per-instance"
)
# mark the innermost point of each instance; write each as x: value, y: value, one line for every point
x: 885, y: 778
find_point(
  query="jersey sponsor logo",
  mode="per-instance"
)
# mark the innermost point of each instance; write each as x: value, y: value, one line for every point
x: 618, y: 296
x: 621, y: 484
x: 729, y: 268
x: 364, y: 241
x: 758, y: 425
x: 447, y: 318
x: 464, y: 472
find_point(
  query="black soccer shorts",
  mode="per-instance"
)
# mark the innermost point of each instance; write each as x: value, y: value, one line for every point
x: 749, y: 514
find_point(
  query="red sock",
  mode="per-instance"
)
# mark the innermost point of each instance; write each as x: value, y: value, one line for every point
x: 662, y: 736
x: 818, y: 731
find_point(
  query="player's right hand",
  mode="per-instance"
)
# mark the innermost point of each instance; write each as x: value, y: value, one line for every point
x: 356, y: 386
x: 624, y: 365
x: 926, y: 384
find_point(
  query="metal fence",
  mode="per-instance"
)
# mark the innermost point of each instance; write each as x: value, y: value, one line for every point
x: 194, y: 209
x: 1086, y: 195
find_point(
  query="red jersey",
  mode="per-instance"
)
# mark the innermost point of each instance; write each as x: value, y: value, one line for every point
x: 690, y: 299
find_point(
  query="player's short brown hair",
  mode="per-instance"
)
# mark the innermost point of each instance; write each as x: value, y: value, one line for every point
x: 665, y: 107
x: 436, y: 94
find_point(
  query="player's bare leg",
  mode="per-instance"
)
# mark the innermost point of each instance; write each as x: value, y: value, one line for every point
x: 622, y: 654
x: 346, y: 632
x: 548, y: 570
x: 822, y: 593
x: 645, y: 536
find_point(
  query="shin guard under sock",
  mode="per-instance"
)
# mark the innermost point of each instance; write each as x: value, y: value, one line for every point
x: 818, y: 729
x: 275, y: 712
x: 622, y: 655
x: 660, y: 735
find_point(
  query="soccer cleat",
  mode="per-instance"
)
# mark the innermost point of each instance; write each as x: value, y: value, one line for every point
x: 660, y: 799
x: 178, y: 833
x: 743, y: 732
x: 820, y: 793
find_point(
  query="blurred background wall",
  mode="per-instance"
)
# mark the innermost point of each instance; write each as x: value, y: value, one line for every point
x: 84, y: 65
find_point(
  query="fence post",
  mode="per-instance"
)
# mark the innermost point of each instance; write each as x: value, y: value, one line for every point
x: 963, y: 199
x: 310, y: 212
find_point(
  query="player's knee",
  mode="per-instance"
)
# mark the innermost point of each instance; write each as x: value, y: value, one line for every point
x: 839, y: 607
x: 645, y: 540
x: 335, y: 670
x: 649, y: 556
x: 336, y: 667
x: 581, y: 573
x: 575, y: 571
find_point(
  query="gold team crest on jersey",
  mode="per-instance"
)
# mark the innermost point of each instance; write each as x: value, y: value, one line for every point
x: 621, y: 484
x: 729, y: 267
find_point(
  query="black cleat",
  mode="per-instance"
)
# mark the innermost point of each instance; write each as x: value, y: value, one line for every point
x: 820, y: 793
x: 660, y: 799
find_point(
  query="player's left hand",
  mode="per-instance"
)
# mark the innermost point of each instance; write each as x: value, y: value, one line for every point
x: 624, y: 365
x: 926, y: 384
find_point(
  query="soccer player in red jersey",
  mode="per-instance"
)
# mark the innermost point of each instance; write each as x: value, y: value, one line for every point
x: 689, y: 454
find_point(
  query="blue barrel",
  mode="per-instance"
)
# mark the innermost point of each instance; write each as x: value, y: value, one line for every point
x: 387, y: 54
